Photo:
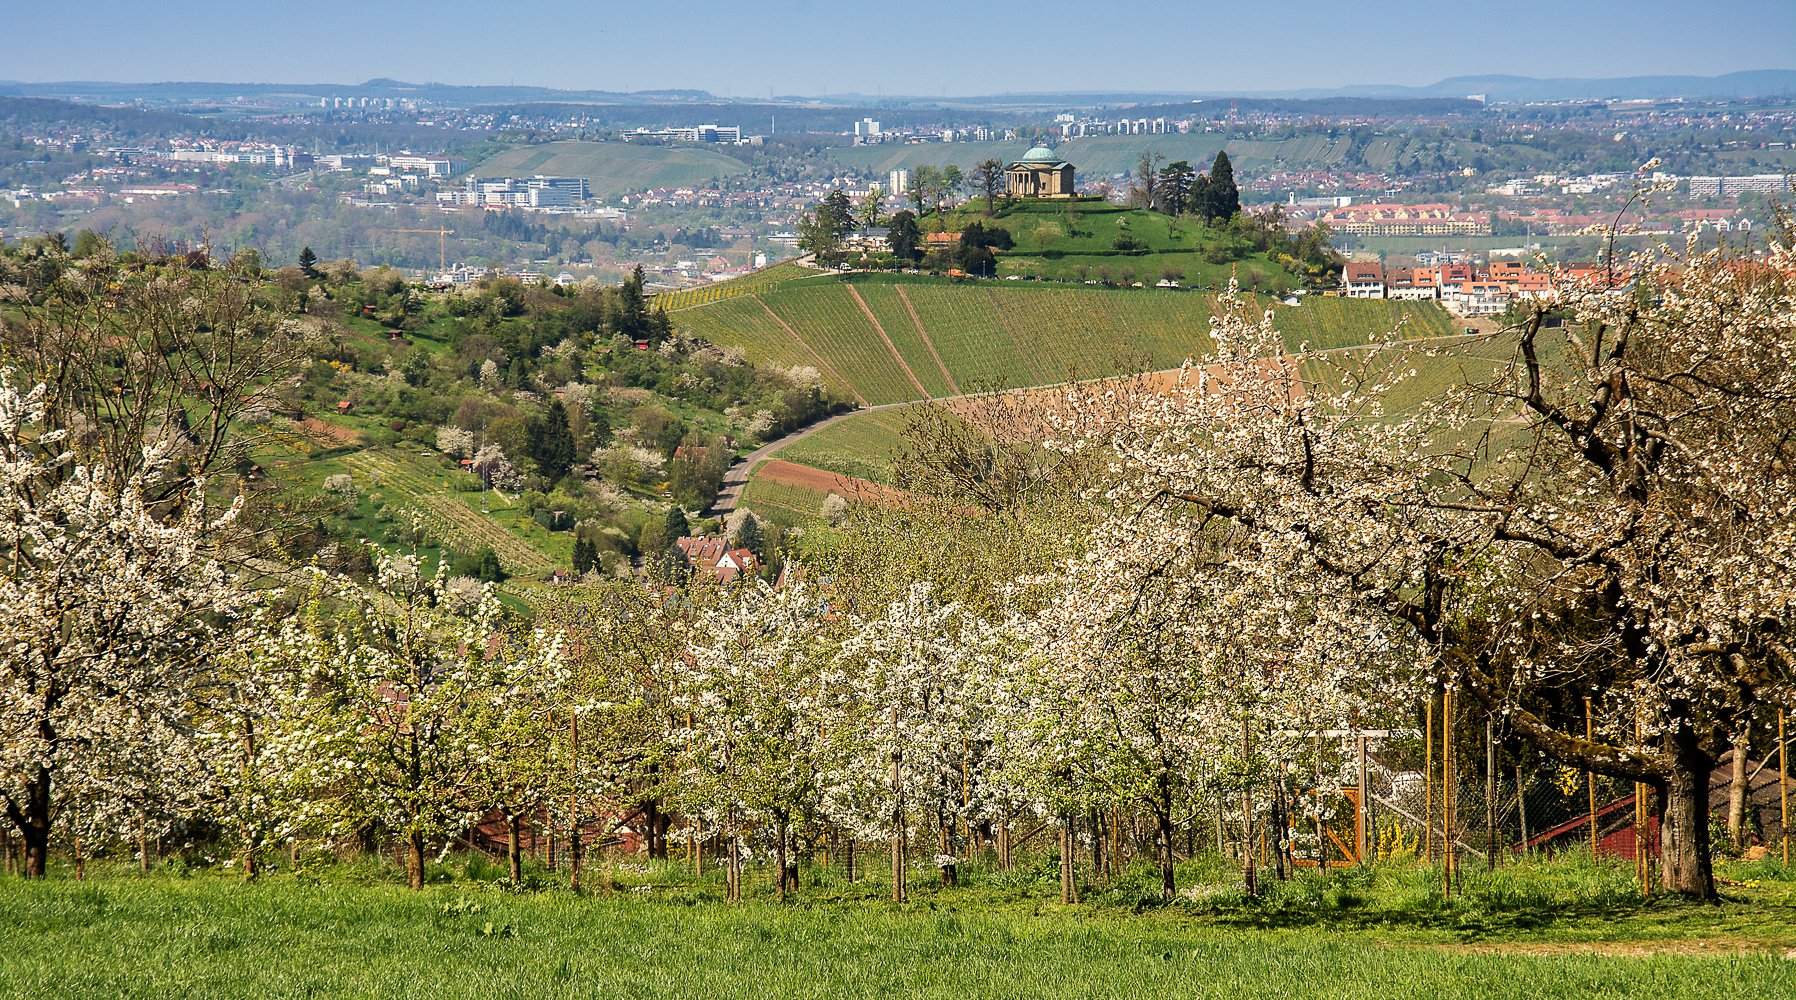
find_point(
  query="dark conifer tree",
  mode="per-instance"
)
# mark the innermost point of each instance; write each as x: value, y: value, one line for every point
x: 677, y: 526
x: 1225, y: 198
x: 904, y: 235
x: 552, y: 442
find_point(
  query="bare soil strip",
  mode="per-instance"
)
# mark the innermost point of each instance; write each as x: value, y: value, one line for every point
x: 918, y: 320
x: 778, y: 470
x: 326, y: 433
x: 856, y: 293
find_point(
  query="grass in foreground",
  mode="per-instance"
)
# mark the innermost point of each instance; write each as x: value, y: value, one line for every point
x: 1553, y: 930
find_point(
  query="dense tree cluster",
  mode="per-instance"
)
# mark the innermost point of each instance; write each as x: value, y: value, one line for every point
x: 1177, y: 189
x: 1131, y: 603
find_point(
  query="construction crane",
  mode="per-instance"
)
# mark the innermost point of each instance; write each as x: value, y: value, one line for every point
x: 442, y: 245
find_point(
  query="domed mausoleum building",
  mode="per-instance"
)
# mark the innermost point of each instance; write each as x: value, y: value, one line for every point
x: 1039, y: 174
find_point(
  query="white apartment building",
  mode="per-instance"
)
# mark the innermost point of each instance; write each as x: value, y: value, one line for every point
x: 539, y: 191
x: 429, y: 166
x: 1727, y: 187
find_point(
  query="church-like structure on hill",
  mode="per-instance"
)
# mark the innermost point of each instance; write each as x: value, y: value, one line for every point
x: 1039, y: 174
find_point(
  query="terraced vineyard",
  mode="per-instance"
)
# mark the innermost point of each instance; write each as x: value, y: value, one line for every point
x: 782, y: 503
x: 458, y: 525
x: 944, y: 338
x: 765, y: 279
x: 862, y: 446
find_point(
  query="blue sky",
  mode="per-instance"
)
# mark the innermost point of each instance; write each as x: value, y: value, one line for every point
x: 750, y: 48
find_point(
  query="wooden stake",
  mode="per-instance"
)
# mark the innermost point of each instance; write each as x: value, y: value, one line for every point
x: 1590, y: 776
x: 573, y: 802
x: 1321, y: 835
x: 1448, y: 853
x: 1428, y: 783
x: 1247, y: 814
x: 1359, y: 808
x: 1521, y: 807
x: 1783, y: 784
x: 1643, y: 868
x: 1490, y: 792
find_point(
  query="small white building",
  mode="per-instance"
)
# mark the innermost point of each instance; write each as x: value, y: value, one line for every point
x: 1363, y: 281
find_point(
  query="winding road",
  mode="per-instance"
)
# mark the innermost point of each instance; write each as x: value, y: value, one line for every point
x: 737, y: 476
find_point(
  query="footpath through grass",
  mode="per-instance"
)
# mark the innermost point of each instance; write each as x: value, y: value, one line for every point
x: 1546, y: 931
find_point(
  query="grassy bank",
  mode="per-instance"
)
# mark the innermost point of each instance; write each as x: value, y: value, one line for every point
x: 1562, y: 930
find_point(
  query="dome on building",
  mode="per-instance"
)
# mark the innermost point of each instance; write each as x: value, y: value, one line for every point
x: 1040, y: 154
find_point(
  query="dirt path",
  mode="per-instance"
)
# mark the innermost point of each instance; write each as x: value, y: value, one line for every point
x: 918, y: 320
x: 856, y: 293
x: 826, y: 366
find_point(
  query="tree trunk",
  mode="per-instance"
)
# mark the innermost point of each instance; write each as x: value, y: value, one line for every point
x: 779, y: 857
x: 848, y: 860
x: 37, y: 851
x: 1097, y: 845
x: 1068, y: 888
x: 414, y: 860
x: 732, y: 864
x: 514, y: 848
x: 249, y: 839
x: 898, y: 879
x: 1247, y: 873
x: 1684, y: 830
x: 573, y: 857
x: 573, y: 809
x: 1736, y: 792
x: 1164, y: 821
x: 33, y: 822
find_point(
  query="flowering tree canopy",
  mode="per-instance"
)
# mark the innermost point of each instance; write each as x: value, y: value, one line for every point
x: 109, y: 613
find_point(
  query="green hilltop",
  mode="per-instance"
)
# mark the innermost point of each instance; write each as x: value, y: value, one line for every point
x: 613, y: 168
x: 1089, y: 239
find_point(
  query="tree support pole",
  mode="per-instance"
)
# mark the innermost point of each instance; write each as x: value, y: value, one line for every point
x: 1360, y: 833
x: 1428, y: 782
x: 1247, y: 815
x: 1490, y: 791
x: 1590, y: 776
x: 1448, y: 853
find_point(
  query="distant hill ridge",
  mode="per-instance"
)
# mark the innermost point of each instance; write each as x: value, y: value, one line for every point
x: 1494, y: 87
